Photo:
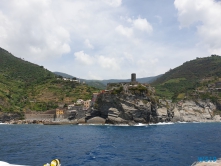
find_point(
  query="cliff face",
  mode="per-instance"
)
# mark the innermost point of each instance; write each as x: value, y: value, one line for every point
x: 124, y: 108
x: 195, y: 111
x: 6, y: 117
x: 133, y: 109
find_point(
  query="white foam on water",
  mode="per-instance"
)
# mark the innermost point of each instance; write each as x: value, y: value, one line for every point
x: 91, y: 124
x: 2, y: 163
x: 117, y: 125
x: 181, y: 122
x: 162, y: 123
x: 4, y: 123
x: 190, y: 122
x: 122, y: 125
x: 141, y: 124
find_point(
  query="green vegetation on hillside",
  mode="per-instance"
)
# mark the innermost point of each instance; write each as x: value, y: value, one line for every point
x: 26, y: 86
x: 185, y: 81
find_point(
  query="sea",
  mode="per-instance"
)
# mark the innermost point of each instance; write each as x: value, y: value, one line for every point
x: 164, y: 144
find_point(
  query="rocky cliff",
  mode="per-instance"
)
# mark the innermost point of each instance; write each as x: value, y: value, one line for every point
x: 124, y: 108
x: 194, y: 111
x: 132, y: 109
x: 7, y: 117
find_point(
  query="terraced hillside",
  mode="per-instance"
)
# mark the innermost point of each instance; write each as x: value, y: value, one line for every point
x: 24, y: 85
x: 194, y: 76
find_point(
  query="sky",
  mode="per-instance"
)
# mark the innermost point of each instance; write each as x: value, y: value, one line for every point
x: 110, y: 39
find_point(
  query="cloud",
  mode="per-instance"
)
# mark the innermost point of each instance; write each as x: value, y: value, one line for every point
x: 88, y: 44
x: 125, y: 31
x: 205, y: 15
x: 114, y: 3
x: 108, y: 63
x: 140, y: 24
x: 105, y: 39
x: 28, y: 32
x: 83, y: 58
x: 149, y: 62
x: 154, y: 61
x: 143, y: 25
x: 46, y: 29
x: 4, y: 24
x: 128, y: 56
x: 92, y: 75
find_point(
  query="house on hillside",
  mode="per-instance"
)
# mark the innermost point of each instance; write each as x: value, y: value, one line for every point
x: 59, y: 114
x: 70, y: 106
x: 80, y: 101
x: 87, y: 104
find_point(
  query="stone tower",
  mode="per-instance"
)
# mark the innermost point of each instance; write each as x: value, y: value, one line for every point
x: 133, y: 77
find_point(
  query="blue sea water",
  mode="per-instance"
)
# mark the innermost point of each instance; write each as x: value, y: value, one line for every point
x: 155, y: 145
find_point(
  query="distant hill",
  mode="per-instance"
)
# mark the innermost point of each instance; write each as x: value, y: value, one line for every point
x: 187, y: 77
x: 94, y: 83
x: 101, y: 84
x: 27, y: 86
x: 141, y: 80
x: 63, y: 74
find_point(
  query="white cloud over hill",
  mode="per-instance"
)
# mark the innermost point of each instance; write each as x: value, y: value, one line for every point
x: 205, y: 15
x: 110, y: 38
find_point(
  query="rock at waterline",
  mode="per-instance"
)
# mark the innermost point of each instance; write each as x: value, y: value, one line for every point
x: 114, y: 120
x: 96, y: 120
x: 81, y: 121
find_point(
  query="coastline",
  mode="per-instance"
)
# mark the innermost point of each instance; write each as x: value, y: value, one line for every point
x: 19, y: 122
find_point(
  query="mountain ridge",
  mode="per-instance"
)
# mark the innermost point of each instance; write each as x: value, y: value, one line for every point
x: 105, y: 81
x: 190, y: 78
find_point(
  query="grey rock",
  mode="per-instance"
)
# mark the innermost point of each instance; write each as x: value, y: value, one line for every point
x: 217, y: 118
x: 118, y: 120
x: 140, y: 120
x: 162, y: 111
x: 81, y: 121
x: 96, y: 120
x: 5, y: 117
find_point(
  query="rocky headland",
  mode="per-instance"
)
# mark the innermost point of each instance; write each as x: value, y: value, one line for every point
x: 133, y: 109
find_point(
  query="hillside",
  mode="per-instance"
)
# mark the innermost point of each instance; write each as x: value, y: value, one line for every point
x: 24, y: 86
x: 191, y: 76
x: 63, y: 75
x: 20, y: 70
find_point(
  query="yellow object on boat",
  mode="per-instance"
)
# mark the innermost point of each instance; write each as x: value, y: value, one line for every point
x: 55, y: 162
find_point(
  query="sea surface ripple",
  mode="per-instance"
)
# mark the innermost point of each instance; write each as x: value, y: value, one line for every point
x: 163, y: 145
